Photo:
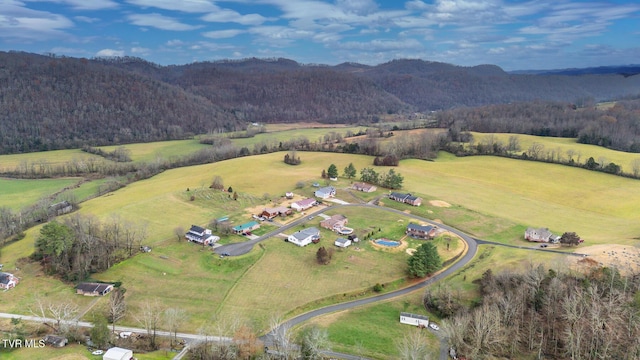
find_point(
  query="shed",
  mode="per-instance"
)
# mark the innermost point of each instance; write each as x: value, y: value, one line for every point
x: 414, y: 319
x: 116, y: 353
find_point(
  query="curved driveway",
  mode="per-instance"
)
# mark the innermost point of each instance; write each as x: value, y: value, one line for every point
x: 472, y: 248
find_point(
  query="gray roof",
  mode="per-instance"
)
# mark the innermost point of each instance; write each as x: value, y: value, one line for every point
x: 425, y: 228
x: 305, y: 233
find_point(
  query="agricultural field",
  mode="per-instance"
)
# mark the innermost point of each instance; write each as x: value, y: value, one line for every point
x: 148, y: 152
x: 489, y: 197
x: 54, y: 157
x: 312, y: 134
x: 19, y: 193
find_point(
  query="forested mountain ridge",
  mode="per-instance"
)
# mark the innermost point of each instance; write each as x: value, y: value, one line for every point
x: 49, y: 102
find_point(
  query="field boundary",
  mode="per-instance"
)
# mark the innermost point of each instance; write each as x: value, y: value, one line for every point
x: 235, y: 283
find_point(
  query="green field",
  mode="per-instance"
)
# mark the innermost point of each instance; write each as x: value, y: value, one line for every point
x: 282, y: 134
x: 19, y: 193
x: 148, y: 152
x: 490, y: 197
x: 55, y: 157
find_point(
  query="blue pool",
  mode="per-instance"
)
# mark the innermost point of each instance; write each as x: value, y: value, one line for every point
x: 385, y: 242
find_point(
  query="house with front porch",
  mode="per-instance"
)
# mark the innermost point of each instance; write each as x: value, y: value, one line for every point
x: 325, y: 192
x: 303, y: 204
x: 406, y: 198
x: 8, y: 281
x: 201, y: 235
x: 364, y: 187
x: 246, y: 227
x: 304, y: 237
x: 424, y: 232
x: 270, y: 213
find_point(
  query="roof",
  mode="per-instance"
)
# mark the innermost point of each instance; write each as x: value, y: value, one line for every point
x: 425, y: 228
x: 197, y: 229
x: 93, y: 287
x: 278, y: 209
x: 305, y: 202
x: 5, y: 277
x: 117, y: 353
x: 326, y: 190
x: 342, y: 240
x: 246, y: 225
x: 305, y: 233
x: 399, y: 195
x: 415, y: 316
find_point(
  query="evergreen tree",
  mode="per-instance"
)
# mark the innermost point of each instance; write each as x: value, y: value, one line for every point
x: 350, y: 171
x: 332, y: 171
x: 100, y: 332
x: 424, y: 261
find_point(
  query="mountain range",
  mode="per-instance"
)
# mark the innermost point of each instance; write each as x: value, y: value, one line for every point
x: 50, y: 102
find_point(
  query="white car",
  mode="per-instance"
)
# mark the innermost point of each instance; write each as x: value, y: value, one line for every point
x: 97, y: 352
x: 434, y: 326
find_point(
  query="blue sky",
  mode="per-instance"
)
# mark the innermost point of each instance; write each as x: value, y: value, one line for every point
x: 513, y: 34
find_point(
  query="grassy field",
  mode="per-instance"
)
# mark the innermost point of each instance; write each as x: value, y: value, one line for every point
x: 582, y: 152
x: 18, y: 193
x: 144, y: 152
x: 282, y: 133
x: 494, y: 198
x: 10, y: 162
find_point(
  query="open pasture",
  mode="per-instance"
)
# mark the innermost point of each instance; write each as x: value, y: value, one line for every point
x: 18, y: 193
x: 312, y: 134
x: 146, y: 152
x: 601, y: 208
x: 580, y: 152
x: 55, y: 157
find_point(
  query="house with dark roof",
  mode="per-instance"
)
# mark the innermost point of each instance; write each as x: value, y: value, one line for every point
x: 406, y: 198
x: 201, y: 235
x: 8, y: 281
x: 303, y: 204
x: 421, y: 231
x: 246, y: 227
x: 304, y: 237
x: 93, y: 289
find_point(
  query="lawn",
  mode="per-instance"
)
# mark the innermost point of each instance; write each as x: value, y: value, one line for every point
x: 19, y: 193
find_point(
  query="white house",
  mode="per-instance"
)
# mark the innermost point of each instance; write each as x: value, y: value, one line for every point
x: 7, y: 281
x: 414, y: 319
x: 325, y: 192
x: 116, y: 353
x: 304, y: 237
x: 342, y: 242
x: 303, y: 204
x: 201, y: 235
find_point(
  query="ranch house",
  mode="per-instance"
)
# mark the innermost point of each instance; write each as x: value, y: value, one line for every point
x: 271, y: 213
x: 540, y: 235
x: 245, y: 228
x: 325, y: 192
x: 342, y: 242
x: 406, y: 198
x: 335, y: 222
x: 421, y: 231
x: 201, y: 235
x: 93, y: 289
x: 364, y: 187
x: 304, y: 237
x: 8, y: 281
x: 414, y: 319
x: 303, y: 204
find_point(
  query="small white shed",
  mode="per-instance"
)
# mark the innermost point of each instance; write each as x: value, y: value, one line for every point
x: 116, y: 353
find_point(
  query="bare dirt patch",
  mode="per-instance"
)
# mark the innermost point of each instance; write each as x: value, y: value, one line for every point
x: 624, y: 257
x: 439, y: 203
x: 410, y: 251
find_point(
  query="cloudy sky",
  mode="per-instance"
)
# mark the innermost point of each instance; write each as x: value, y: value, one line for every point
x: 514, y: 34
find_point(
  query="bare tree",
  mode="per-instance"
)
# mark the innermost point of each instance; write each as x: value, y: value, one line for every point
x: 413, y: 347
x: 282, y: 337
x: 63, y: 313
x: 314, y: 340
x: 116, y: 307
x: 535, y: 150
x: 179, y: 232
x: 635, y: 167
x: 149, y: 317
x: 174, y: 318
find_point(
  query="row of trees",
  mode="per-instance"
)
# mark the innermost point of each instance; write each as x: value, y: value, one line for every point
x: 82, y: 245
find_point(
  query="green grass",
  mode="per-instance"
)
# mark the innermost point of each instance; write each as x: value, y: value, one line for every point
x: 147, y: 152
x: 283, y: 134
x: 56, y: 157
x: 19, y: 193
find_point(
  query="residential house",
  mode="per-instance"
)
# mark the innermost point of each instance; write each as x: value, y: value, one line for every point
x: 304, y: 237
x: 271, y: 213
x: 201, y: 235
x: 406, y: 198
x: 364, y: 187
x: 342, y: 242
x: 335, y: 222
x: 540, y: 235
x: 245, y: 228
x: 55, y: 341
x: 93, y: 289
x: 421, y: 231
x: 303, y: 204
x: 8, y: 281
x: 325, y: 192
x: 414, y: 319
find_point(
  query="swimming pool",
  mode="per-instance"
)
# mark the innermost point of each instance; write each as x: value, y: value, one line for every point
x: 387, y: 242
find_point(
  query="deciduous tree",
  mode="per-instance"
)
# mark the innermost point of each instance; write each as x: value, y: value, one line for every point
x: 350, y: 171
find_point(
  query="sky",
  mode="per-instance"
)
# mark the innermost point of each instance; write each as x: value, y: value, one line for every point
x: 513, y: 34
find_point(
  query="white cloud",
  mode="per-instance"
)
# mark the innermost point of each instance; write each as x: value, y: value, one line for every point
x: 175, y: 42
x: 227, y: 15
x: 222, y: 34
x: 140, y: 51
x: 84, y: 4
x: 19, y: 23
x: 86, y: 19
x: 109, y: 53
x: 190, y: 6
x: 160, y: 22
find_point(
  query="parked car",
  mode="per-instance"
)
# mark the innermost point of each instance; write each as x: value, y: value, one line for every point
x: 434, y: 326
x: 97, y: 352
x: 543, y: 245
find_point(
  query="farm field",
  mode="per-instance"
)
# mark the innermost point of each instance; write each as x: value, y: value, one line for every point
x: 286, y: 134
x: 145, y: 152
x: 582, y: 152
x: 54, y: 157
x: 18, y: 193
x: 488, y: 196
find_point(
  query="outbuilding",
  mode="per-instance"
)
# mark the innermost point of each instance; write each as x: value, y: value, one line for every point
x: 116, y: 353
x: 414, y: 319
